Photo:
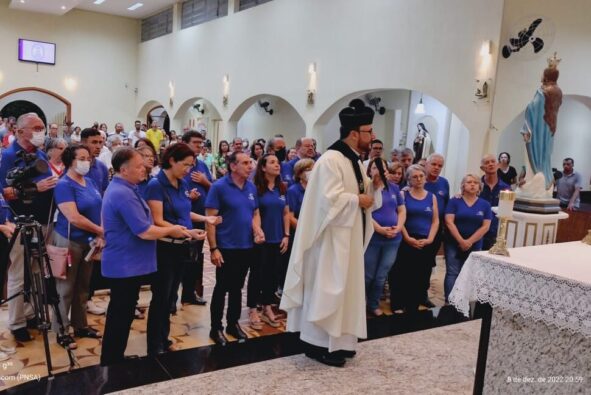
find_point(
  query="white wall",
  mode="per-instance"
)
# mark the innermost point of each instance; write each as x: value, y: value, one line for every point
x: 572, y: 138
x: 434, y: 109
x: 456, y: 160
x: 54, y: 109
x: 256, y: 123
x: 99, y: 51
x: 426, y: 45
x: 519, y: 77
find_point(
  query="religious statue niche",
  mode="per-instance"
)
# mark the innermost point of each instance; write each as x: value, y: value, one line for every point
x: 538, y: 133
x: 422, y: 143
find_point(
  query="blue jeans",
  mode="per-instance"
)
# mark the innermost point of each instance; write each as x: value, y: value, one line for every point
x: 453, y: 265
x: 379, y: 258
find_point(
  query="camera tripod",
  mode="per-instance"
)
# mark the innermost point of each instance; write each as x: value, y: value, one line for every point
x: 39, y: 287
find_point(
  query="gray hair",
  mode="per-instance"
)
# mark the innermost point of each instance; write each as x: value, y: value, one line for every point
x: 435, y: 155
x: 395, y: 151
x: 407, y: 152
x: 113, y: 139
x: 272, y: 141
x: 53, y: 143
x: 412, y: 168
x: 23, y: 119
x: 485, y: 157
x: 465, y: 178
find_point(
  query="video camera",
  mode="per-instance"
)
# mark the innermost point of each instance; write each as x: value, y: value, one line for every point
x: 21, y: 178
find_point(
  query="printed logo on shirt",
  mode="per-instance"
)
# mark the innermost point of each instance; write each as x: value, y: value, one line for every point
x: 480, y: 214
x: 428, y: 209
x: 250, y: 196
x: 441, y: 193
x: 282, y: 197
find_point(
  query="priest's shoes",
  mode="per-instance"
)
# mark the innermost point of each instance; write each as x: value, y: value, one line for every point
x: 346, y: 353
x: 327, y: 358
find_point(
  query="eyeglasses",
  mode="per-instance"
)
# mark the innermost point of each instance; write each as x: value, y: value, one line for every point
x: 370, y: 131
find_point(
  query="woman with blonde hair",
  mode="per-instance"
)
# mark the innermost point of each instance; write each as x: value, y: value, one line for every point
x: 467, y: 218
x: 396, y: 173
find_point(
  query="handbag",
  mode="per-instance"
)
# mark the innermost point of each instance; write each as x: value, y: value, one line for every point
x: 59, y: 257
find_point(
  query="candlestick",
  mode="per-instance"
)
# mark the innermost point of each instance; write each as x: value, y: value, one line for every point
x: 505, y: 212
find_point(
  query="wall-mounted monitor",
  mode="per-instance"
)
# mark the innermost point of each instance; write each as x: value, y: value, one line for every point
x: 36, y: 51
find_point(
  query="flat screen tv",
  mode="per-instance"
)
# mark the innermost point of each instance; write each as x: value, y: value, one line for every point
x: 36, y: 51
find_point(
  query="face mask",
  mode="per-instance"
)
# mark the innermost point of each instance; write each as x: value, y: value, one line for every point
x: 38, y: 139
x: 307, y: 175
x: 82, y: 167
x: 280, y: 154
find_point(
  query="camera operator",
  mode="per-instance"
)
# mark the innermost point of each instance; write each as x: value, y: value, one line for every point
x: 30, y: 135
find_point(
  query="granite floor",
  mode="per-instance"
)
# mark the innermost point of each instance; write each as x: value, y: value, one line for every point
x: 435, y: 361
x: 189, y: 330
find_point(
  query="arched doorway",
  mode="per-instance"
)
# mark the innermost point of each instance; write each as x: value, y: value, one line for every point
x: 55, y: 108
x: 19, y: 107
x: 159, y: 115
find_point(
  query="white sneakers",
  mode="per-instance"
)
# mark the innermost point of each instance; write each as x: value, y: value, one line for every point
x: 94, y: 309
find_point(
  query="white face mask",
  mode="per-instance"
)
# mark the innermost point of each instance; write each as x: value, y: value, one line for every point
x: 82, y: 167
x: 307, y: 175
x: 38, y: 139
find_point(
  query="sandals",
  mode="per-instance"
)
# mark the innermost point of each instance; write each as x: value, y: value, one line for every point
x: 87, y: 332
x: 67, y: 342
x: 270, y: 319
x: 255, y: 320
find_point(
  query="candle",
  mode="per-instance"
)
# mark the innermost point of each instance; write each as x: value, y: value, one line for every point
x: 506, y: 201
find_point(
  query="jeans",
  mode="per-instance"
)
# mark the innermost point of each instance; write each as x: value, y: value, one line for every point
x: 454, y: 261
x: 379, y: 258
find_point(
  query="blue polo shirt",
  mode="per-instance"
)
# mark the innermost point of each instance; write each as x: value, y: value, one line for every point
x: 387, y: 215
x: 287, y: 173
x: 439, y: 188
x: 175, y: 201
x: 125, y: 215
x: 88, y: 203
x: 419, y: 214
x: 99, y: 173
x: 469, y: 218
x: 492, y: 196
x: 198, y: 206
x: 236, y: 207
x: 143, y: 186
x: 271, y: 206
x: 295, y: 197
x: 41, y: 204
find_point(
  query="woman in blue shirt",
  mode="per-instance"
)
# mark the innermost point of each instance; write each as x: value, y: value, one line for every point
x: 169, y: 199
x: 275, y: 224
x: 295, y: 197
x: 383, y: 246
x: 412, y: 269
x: 78, y: 223
x: 150, y: 160
x: 130, y: 248
x: 467, y: 219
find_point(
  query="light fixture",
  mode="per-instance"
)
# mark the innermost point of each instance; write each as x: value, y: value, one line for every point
x: 420, y: 107
x: 311, y: 92
x: 265, y: 106
x: 226, y: 89
x: 485, y: 48
x: 70, y: 83
x: 64, y: 7
x: 22, y: 1
x: 97, y: 2
x: 171, y: 93
x: 135, y: 6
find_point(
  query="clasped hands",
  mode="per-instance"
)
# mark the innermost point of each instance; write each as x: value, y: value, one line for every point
x: 418, y: 244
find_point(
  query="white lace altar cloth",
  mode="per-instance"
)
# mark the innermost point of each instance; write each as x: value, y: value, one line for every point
x: 549, y: 283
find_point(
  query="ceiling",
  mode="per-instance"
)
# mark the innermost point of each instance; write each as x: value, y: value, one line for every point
x: 113, y: 7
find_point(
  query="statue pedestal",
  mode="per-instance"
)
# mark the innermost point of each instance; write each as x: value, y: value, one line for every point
x: 530, y: 229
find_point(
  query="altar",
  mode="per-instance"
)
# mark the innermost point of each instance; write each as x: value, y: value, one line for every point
x: 536, y: 330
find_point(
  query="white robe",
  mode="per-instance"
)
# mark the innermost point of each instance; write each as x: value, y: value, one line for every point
x: 324, y: 291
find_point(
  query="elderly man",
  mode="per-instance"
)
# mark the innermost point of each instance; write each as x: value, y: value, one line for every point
x: 491, y: 188
x: 30, y: 136
x: 237, y: 145
x: 324, y: 292
x: 305, y: 149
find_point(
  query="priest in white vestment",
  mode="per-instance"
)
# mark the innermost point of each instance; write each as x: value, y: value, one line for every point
x: 324, y: 291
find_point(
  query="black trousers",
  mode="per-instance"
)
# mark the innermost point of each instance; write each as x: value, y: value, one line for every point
x: 171, y: 258
x: 433, y: 248
x: 193, y: 272
x: 281, y: 268
x: 229, y: 279
x: 262, y: 281
x: 120, y: 313
x: 407, y: 276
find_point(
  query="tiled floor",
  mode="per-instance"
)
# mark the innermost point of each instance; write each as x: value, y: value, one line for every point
x: 189, y: 330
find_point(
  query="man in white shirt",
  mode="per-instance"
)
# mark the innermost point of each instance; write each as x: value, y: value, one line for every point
x: 136, y: 134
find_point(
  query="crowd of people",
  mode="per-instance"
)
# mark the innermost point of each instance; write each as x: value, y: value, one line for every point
x: 149, y: 199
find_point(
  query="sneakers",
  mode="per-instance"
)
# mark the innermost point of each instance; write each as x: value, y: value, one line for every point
x: 269, y: 317
x: 255, y: 320
x: 94, y: 309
